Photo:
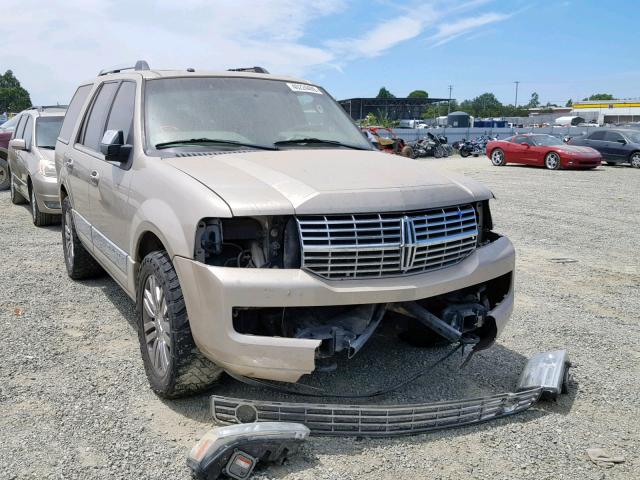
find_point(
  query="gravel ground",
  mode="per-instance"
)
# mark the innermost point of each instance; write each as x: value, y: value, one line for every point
x: 74, y: 401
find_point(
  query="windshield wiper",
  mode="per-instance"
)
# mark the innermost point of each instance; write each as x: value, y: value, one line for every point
x: 197, y: 141
x: 316, y: 141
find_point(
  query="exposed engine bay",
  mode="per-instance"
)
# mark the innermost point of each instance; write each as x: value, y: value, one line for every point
x: 457, y: 317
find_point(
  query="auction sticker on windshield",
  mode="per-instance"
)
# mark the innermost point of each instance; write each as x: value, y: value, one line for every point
x: 302, y: 88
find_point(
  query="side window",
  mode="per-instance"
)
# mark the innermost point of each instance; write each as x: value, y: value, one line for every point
x: 95, y: 124
x: 17, y: 133
x: 599, y: 135
x: 121, y: 116
x: 519, y: 139
x: 73, y: 112
x: 28, y: 132
x: 613, y: 137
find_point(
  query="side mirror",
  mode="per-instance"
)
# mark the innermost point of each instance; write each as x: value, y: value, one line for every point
x: 18, y: 144
x: 113, y: 147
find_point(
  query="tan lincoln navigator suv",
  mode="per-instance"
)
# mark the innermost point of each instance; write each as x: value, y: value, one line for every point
x: 260, y: 233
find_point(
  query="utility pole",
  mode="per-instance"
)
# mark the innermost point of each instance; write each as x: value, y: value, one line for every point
x: 517, y: 83
x: 449, y: 102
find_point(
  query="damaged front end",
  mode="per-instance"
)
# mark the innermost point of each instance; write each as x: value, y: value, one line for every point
x: 462, y: 316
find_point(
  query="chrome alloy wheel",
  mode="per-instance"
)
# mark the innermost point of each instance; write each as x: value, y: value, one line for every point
x: 552, y: 161
x: 157, y: 330
x: 497, y: 157
x: 635, y: 160
x: 68, y: 235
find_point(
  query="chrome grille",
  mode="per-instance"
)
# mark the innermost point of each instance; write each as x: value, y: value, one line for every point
x: 386, y: 244
x: 376, y: 420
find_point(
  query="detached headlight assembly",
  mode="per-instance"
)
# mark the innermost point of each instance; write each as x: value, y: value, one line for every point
x: 47, y: 168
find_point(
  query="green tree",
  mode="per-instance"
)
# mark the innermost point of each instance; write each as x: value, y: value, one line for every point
x: 534, y: 102
x: 13, y: 98
x: 600, y: 96
x: 419, y: 94
x: 384, y: 93
x: 569, y: 103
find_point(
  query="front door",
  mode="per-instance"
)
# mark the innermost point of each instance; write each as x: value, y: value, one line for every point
x: 615, y: 146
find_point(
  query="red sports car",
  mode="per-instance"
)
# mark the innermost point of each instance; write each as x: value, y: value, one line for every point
x: 543, y: 151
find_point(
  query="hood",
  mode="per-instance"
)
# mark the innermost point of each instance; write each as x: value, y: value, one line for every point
x: 325, y: 181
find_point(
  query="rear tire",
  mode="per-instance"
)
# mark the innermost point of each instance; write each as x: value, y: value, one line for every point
x: 497, y: 157
x: 5, y: 178
x: 79, y: 262
x: 174, y: 365
x: 464, y: 153
x: 635, y: 160
x: 407, y: 151
x: 552, y: 161
x: 41, y: 219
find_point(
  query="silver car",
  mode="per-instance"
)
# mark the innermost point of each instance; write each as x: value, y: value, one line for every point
x: 32, y: 169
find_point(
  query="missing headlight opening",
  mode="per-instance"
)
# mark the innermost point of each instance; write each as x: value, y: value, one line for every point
x: 460, y: 316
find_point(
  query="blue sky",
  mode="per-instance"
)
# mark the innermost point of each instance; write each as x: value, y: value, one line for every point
x: 560, y: 49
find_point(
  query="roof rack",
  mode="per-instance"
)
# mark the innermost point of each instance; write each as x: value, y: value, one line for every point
x: 140, y: 65
x: 42, y: 108
x: 249, y: 69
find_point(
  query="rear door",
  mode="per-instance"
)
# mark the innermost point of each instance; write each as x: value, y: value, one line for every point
x: 596, y: 140
x: 70, y: 167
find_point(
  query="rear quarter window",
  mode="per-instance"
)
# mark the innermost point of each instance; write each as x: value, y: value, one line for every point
x: 73, y: 112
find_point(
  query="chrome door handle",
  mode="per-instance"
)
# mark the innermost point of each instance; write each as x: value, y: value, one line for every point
x: 94, y: 178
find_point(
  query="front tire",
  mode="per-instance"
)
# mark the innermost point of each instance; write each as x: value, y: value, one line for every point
x: 79, y: 262
x: 16, y: 197
x: 174, y: 365
x: 635, y: 160
x: 464, y: 153
x: 497, y: 158
x: 552, y: 161
x: 5, y: 177
x: 40, y: 219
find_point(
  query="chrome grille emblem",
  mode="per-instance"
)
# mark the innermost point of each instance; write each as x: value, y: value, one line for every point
x: 408, y: 243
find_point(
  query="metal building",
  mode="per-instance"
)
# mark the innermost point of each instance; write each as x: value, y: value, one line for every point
x: 392, y: 108
x: 608, y: 111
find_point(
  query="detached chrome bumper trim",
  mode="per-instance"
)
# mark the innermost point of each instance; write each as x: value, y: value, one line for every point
x: 545, y: 375
x: 375, y: 420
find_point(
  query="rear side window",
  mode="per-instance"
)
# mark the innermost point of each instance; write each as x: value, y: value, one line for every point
x: 28, y: 132
x: 95, y: 123
x: 599, y: 135
x: 73, y: 112
x: 121, y: 116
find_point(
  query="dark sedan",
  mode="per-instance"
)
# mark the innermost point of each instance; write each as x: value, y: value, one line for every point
x: 615, y: 145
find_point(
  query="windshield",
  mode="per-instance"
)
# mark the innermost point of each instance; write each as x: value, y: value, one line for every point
x: 10, y: 125
x: 546, y: 140
x: 244, y: 111
x: 47, y: 130
x: 635, y: 137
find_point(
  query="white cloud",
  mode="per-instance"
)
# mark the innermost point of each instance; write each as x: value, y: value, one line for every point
x: 449, y: 31
x: 53, y: 45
